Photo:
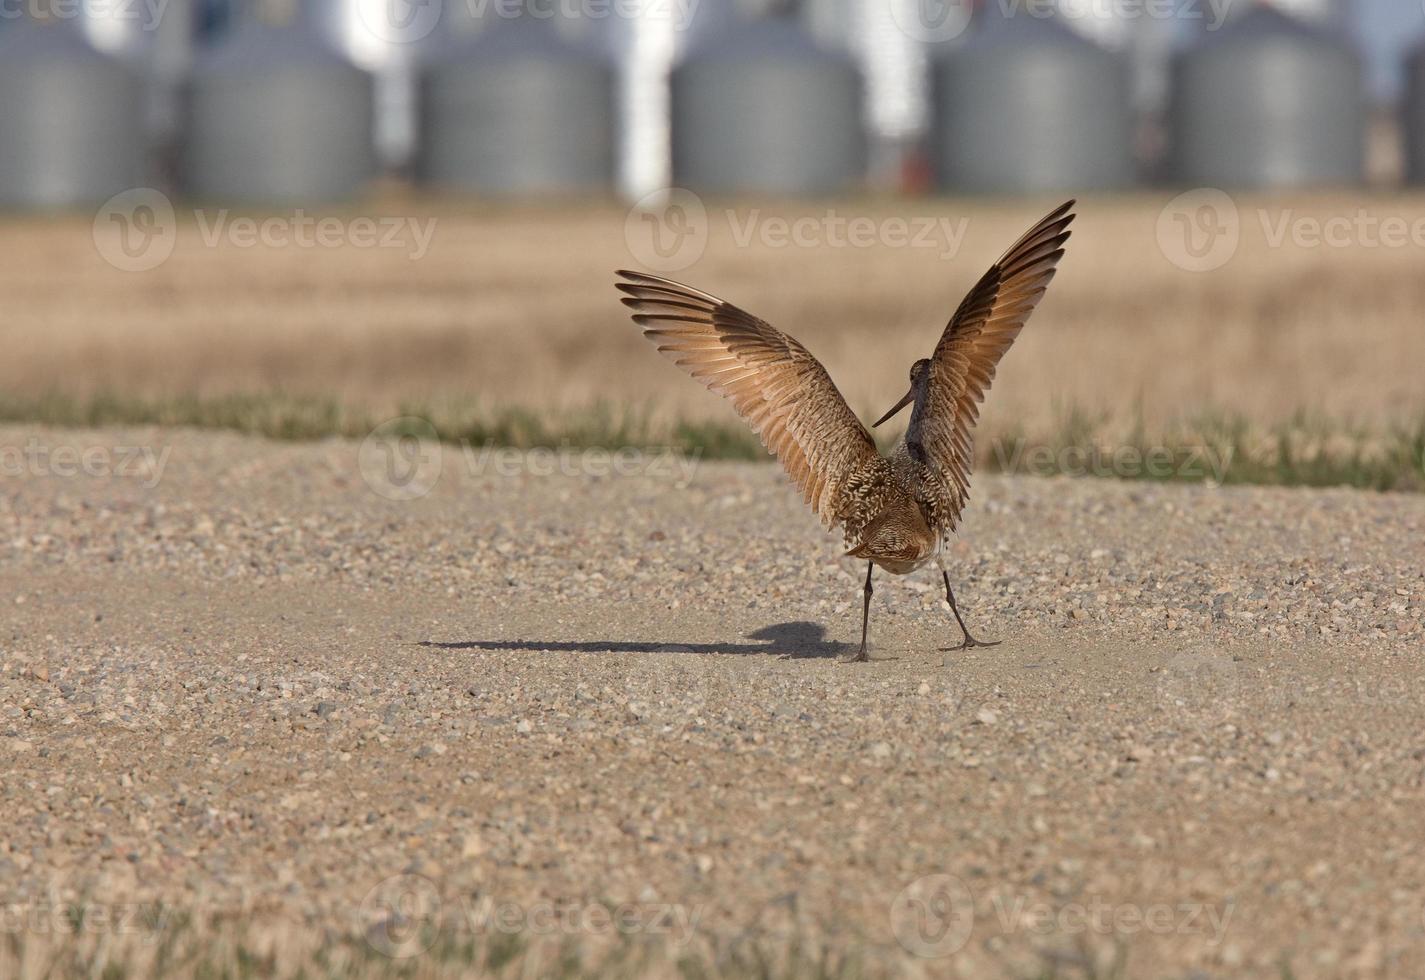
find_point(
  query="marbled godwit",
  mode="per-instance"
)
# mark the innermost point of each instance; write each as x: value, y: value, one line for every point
x: 896, y: 511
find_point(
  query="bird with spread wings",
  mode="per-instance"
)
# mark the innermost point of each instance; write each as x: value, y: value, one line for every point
x: 898, y: 510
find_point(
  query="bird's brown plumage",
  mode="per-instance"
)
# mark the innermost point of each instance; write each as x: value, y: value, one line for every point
x: 893, y: 511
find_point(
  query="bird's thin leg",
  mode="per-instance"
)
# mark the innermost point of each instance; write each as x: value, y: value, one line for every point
x: 969, y: 640
x: 865, y: 618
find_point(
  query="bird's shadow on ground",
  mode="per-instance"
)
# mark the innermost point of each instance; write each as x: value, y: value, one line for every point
x: 781, y: 639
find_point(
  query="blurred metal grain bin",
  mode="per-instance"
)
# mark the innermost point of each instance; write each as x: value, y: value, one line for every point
x: 1025, y: 106
x: 1413, y: 116
x: 518, y: 111
x: 1267, y: 102
x: 275, y: 117
x: 71, y: 119
x: 764, y: 109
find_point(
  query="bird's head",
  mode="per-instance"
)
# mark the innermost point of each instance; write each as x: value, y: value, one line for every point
x: 919, y: 371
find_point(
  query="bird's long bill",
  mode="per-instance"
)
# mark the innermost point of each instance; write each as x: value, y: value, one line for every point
x: 909, y: 397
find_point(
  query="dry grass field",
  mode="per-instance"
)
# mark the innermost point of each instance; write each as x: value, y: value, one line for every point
x: 514, y: 307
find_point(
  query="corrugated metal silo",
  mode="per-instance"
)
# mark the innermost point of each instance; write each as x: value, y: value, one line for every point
x: 156, y: 40
x: 71, y: 119
x: 276, y: 117
x: 1025, y: 105
x: 764, y: 109
x: 1412, y: 123
x: 519, y: 110
x: 1267, y: 102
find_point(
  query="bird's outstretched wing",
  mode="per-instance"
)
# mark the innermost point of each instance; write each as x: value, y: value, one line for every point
x: 963, y: 365
x: 775, y: 384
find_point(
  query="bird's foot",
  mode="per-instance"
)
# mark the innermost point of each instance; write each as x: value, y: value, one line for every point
x: 854, y: 658
x: 969, y: 643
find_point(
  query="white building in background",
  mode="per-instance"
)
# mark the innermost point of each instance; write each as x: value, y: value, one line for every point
x: 892, y: 49
x: 158, y: 40
x: 644, y: 50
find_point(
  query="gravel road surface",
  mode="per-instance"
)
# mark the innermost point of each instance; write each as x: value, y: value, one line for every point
x: 591, y: 697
